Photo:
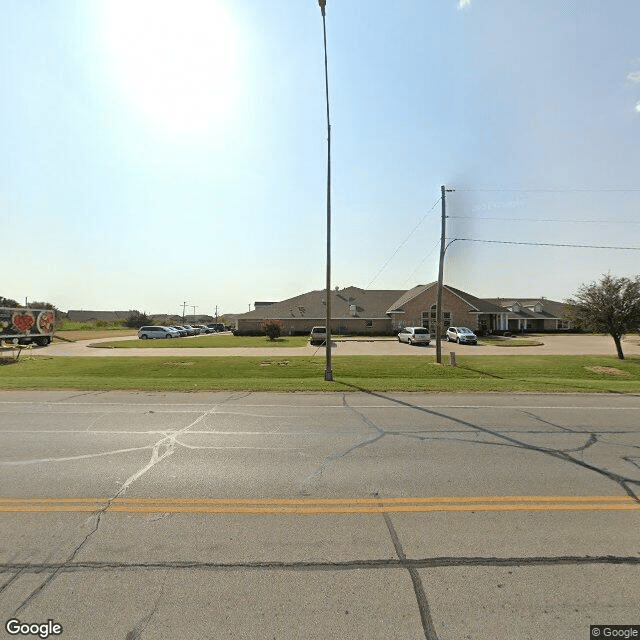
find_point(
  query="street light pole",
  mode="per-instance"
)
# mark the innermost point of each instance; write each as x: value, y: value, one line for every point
x: 328, y: 372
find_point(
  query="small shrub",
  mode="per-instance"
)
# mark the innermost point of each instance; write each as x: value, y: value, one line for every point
x: 273, y: 330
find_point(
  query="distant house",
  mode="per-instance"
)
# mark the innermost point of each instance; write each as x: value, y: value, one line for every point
x: 361, y: 311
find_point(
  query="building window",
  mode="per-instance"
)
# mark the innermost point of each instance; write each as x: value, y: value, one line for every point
x: 368, y: 324
x: 430, y: 319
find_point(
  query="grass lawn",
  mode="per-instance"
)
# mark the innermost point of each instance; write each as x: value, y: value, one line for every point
x: 303, y: 373
x: 208, y: 341
x: 511, y: 342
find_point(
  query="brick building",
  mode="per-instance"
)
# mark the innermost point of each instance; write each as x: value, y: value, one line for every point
x: 380, y: 312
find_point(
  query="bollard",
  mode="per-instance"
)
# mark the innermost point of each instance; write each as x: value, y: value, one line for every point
x: 452, y: 358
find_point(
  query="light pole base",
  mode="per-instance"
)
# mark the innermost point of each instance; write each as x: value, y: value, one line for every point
x: 328, y: 375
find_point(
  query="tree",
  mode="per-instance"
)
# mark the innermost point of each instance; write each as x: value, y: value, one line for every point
x: 8, y: 302
x: 46, y: 305
x: 136, y: 320
x: 611, y: 306
x: 272, y: 329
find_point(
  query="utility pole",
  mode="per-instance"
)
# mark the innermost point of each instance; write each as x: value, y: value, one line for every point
x: 193, y: 306
x: 439, y: 315
x: 216, y: 313
x: 328, y: 371
x: 184, y: 306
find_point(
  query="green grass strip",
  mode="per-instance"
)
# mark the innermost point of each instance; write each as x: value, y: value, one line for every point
x: 206, y: 341
x: 303, y: 373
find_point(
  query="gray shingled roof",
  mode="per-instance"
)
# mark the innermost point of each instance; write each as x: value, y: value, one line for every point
x: 408, y: 295
x: 477, y: 304
x: 369, y: 304
x: 380, y: 303
x: 550, y: 308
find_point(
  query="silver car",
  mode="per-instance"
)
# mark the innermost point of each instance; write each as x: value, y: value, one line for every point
x: 461, y: 335
x: 414, y: 335
x: 318, y: 335
x: 145, y: 333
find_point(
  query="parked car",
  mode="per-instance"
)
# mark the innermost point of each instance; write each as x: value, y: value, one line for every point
x: 204, y: 329
x: 461, y: 335
x: 190, y: 330
x: 181, y: 330
x: 414, y: 335
x: 318, y: 335
x: 145, y: 333
x: 216, y: 326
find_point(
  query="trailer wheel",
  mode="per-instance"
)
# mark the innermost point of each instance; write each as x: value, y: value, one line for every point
x: 43, y: 341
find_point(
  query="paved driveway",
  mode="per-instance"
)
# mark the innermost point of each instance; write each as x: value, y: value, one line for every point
x: 552, y: 345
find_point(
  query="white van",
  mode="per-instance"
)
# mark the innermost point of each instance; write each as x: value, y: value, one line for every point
x: 318, y: 335
x: 156, y: 332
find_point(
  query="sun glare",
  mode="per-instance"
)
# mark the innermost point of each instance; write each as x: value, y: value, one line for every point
x: 176, y: 62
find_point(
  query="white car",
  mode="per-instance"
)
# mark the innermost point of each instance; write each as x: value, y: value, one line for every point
x: 461, y: 335
x: 414, y: 335
x: 318, y: 335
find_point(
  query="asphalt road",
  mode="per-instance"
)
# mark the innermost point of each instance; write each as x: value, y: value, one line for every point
x: 220, y: 515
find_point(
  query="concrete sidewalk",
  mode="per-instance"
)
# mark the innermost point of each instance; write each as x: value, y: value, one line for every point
x: 552, y: 345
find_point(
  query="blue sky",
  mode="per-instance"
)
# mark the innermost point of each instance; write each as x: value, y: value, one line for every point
x: 156, y: 152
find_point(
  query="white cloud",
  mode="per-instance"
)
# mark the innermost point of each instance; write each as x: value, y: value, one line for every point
x: 634, y: 76
x: 463, y: 4
x: 638, y: 106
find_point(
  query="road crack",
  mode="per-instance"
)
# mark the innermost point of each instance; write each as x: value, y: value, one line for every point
x: 418, y: 588
x: 137, y: 631
x: 160, y: 450
x: 347, y: 565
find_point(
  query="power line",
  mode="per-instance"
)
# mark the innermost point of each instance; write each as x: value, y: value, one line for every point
x: 602, y: 221
x: 384, y: 266
x: 547, y: 244
x: 430, y: 253
x: 547, y: 190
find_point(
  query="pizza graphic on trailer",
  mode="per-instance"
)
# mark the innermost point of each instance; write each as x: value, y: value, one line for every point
x: 46, y: 321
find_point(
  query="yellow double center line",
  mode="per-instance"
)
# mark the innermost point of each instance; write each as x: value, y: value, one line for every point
x: 317, y: 506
